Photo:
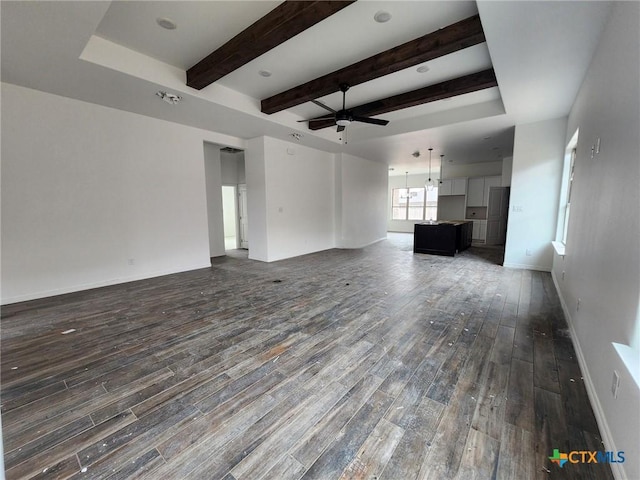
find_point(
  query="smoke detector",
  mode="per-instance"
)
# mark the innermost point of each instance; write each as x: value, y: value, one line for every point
x: 166, y: 23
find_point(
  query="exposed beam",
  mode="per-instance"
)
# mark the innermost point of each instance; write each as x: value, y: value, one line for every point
x: 279, y: 25
x: 450, y: 88
x: 457, y: 36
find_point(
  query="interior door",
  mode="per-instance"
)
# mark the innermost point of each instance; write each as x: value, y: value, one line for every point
x: 242, y: 216
x: 497, y: 211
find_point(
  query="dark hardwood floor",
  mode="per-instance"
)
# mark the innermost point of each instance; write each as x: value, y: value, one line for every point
x: 369, y: 364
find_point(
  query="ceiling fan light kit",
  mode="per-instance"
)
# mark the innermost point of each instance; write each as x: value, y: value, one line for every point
x: 343, y: 118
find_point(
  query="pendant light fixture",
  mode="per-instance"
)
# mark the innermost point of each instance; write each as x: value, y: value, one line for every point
x: 429, y: 183
x: 441, y: 170
x: 406, y: 187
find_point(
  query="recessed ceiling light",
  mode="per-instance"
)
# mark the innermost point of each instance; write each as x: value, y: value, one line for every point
x: 170, y: 98
x: 264, y: 73
x: 167, y: 23
x: 381, y: 16
x: 422, y: 69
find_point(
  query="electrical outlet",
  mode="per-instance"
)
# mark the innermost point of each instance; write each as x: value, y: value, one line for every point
x: 615, y: 384
x: 131, y: 261
x: 578, y: 305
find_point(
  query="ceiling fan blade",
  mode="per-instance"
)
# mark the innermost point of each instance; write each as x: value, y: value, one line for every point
x: 340, y: 128
x: 320, y: 104
x: 373, y: 121
x: 326, y: 117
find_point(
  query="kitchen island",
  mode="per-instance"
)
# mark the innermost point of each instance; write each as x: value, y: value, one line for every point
x: 443, y: 237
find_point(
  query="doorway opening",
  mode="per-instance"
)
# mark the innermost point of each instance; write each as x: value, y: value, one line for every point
x: 243, y: 224
x: 230, y: 216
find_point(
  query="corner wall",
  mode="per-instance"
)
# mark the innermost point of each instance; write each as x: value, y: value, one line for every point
x: 538, y: 154
x: 361, y: 203
x: 93, y: 196
x: 291, y: 197
x: 602, y: 261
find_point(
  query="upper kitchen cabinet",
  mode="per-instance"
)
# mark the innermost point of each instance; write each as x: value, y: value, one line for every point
x: 478, y: 190
x: 475, y: 192
x: 453, y: 186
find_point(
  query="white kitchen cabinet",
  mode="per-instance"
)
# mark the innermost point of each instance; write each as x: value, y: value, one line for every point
x: 445, y: 187
x: 475, y: 192
x: 459, y: 186
x: 452, y: 186
x: 478, y: 190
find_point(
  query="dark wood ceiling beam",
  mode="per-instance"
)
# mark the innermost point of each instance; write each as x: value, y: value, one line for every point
x: 457, y: 36
x: 451, y: 88
x: 282, y: 23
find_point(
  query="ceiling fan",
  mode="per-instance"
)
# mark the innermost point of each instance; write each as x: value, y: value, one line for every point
x: 344, y: 117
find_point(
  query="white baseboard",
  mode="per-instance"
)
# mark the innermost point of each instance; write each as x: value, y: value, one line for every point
x: 526, y: 266
x: 105, y: 283
x: 363, y: 245
x: 616, y: 468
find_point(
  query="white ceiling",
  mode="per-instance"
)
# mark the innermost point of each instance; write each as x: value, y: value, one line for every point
x: 115, y: 54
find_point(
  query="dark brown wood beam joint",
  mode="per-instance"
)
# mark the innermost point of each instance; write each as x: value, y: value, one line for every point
x: 282, y: 23
x: 457, y: 36
x: 450, y: 88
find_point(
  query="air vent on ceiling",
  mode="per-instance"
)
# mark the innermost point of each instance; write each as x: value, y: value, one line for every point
x: 230, y: 150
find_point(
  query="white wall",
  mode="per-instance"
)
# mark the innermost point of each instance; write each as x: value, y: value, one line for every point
x: 507, y: 168
x: 255, y: 168
x: 538, y: 155
x: 212, y: 172
x: 361, y: 201
x: 87, y: 190
x: 602, y: 262
x: 292, y: 212
x: 452, y: 207
x: 483, y: 169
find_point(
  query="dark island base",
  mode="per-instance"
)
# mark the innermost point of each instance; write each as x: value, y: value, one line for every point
x: 442, y: 237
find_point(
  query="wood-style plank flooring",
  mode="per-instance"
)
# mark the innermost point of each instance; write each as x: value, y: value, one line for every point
x: 368, y: 364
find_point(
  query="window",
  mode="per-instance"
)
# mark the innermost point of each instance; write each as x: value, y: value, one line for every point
x: 567, y: 208
x: 414, y: 204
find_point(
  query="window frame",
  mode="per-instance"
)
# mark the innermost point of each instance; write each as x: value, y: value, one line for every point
x: 406, y: 204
